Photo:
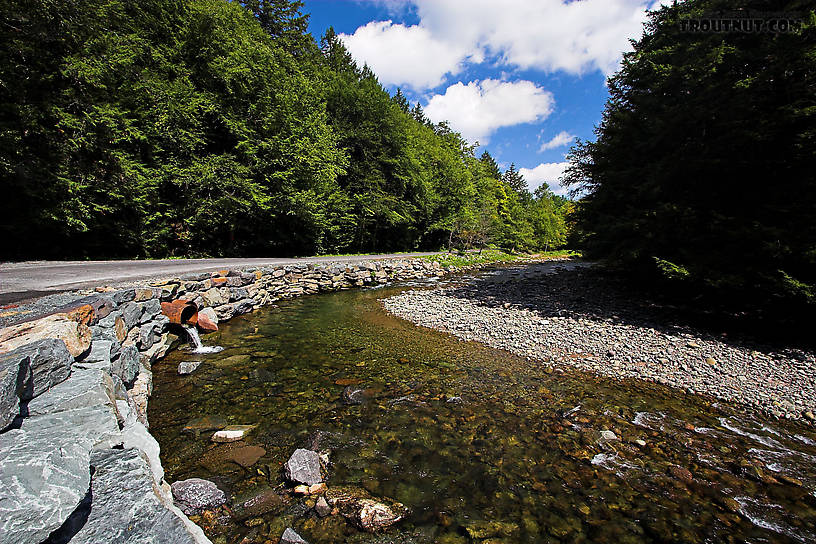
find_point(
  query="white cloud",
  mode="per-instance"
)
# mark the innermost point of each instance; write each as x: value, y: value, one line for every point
x: 550, y: 35
x: 559, y: 140
x: 481, y: 107
x: 404, y: 55
x: 549, y: 173
x: 574, y: 36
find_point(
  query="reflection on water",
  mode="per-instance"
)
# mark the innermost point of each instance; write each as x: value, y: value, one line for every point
x: 482, y: 446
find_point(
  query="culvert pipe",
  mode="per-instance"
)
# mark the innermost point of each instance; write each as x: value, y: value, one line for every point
x: 180, y: 312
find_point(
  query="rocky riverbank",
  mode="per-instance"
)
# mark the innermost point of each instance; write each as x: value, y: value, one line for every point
x: 570, y: 314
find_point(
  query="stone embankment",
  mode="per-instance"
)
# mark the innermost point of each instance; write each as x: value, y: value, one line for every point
x: 581, y: 319
x: 77, y: 463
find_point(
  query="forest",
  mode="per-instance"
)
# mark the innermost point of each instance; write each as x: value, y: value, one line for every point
x: 181, y: 128
x: 702, y: 178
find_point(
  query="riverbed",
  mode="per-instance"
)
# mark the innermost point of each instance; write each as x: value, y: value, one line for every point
x: 479, y: 444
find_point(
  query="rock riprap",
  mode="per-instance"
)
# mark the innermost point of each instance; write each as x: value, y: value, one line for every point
x: 303, y: 467
x: 195, y: 495
x: 75, y: 453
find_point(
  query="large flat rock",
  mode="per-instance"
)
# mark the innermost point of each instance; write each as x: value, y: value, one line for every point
x: 84, y: 389
x: 29, y: 371
x: 76, y: 335
x: 45, y: 469
x: 126, y: 506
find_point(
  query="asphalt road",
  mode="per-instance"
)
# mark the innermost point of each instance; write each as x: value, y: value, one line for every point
x: 27, y: 280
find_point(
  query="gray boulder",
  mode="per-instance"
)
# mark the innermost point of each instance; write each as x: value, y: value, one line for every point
x: 238, y: 293
x: 136, y: 435
x: 131, y: 313
x: 126, y: 366
x: 45, y: 469
x: 15, y: 374
x: 147, y: 336
x: 303, y: 467
x: 195, y: 495
x: 150, y: 309
x: 50, y: 364
x: 289, y: 536
x: 99, y: 358
x: 85, y: 388
x: 123, y: 296
x: 126, y: 507
x: 28, y: 371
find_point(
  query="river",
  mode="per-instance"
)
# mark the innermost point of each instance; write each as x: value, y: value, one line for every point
x: 480, y: 445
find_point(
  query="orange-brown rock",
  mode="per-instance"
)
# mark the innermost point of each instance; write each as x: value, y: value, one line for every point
x: 76, y: 335
x: 207, y: 320
x: 84, y: 314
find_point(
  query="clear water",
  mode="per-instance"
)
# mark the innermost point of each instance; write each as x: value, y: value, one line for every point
x: 516, y: 460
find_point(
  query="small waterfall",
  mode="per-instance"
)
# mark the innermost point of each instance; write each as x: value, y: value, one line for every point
x: 195, y: 340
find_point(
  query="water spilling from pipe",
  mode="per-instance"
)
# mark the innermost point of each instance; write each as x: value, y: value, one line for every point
x: 198, y: 345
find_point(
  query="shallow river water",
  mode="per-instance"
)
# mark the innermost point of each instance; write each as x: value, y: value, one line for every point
x: 480, y: 445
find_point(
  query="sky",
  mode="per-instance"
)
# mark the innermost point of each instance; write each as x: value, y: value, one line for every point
x: 523, y: 78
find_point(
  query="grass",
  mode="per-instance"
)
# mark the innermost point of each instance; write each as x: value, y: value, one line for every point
x: 493, y: 256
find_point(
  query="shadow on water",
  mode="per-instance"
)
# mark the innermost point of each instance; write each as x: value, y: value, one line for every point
x: 482, y: 446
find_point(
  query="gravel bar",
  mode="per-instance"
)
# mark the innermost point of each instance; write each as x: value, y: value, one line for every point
x: 572, y: 314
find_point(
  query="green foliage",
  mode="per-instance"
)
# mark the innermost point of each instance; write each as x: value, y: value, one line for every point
x: 704, y: 166
x: 159, y: 128
x: 472, y: 258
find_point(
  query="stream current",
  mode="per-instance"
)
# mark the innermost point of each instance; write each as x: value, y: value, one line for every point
x: 480, y: 445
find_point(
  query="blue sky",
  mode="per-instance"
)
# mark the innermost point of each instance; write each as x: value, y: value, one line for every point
x: 521, y: 77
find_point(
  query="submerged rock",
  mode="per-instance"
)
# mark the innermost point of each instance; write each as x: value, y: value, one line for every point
x: 363, y: 510
x: 488, y: 529
x: 206, y: 423
x: 607, y: 436
x: 303, y: 467
x: 289, y: 536
x: 322, y: 507
x: 261, y: 502
x: 188, y: 367
x: 195, y: 495
x: 353, y: 395
x: 246, y: 456
x: 232, y: 433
